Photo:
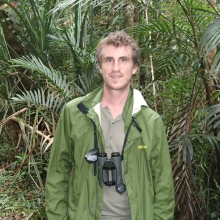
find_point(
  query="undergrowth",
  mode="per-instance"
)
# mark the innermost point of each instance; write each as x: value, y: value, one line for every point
x: 21, y: 195
x: 20, y: 200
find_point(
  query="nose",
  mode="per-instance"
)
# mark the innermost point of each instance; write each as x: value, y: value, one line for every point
x: 115, y: 66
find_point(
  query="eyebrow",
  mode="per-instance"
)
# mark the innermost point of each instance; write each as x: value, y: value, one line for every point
x: 105, y: 58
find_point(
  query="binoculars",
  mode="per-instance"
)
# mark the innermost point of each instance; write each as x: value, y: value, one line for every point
x: 108, y: 168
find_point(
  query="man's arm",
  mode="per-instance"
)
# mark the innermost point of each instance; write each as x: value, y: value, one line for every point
x: 57, y: 183
x: 163, y: 178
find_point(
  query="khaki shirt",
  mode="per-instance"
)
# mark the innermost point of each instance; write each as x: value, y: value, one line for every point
x: 115, y: 206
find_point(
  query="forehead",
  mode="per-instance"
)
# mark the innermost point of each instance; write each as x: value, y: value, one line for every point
x: 116, y: 51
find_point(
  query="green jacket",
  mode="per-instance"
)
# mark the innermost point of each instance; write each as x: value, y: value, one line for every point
x: 72, y: 189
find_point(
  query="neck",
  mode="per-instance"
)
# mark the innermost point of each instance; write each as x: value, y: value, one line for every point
x: 115, y: 100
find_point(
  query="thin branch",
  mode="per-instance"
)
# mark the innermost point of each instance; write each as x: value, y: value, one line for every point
x: 213, y: 7
x: 50, y: 139
x: 18, y: 169
x: 190, y: 19
x: 151, y: 62
x: 13, y: 116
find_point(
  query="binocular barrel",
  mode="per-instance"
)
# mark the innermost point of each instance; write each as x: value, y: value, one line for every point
x: 103, y: 176
x: 116, y: 160
x: 112, y: 165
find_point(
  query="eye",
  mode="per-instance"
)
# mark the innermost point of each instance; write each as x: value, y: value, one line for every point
x: 109, y: 60
x: 123, y: 59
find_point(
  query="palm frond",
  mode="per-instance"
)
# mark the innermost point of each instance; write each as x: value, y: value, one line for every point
x: 211, y: 40
x: 174, y: 35
x: 88, y: 82
x: 4, y: 52
x: 62, y: 5
x: 212, y: 115
x: 50, y: 101
x: 55, y: 77
x: 182, y: 100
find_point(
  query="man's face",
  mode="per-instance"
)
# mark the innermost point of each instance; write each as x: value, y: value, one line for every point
x: 117, y: 66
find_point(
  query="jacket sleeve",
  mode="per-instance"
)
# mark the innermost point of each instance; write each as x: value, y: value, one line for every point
x: 57, y: 181
x: 163, y: 178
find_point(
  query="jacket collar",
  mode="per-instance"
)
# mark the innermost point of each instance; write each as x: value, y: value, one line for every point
x: 133, y: 104
x: 138, y: 101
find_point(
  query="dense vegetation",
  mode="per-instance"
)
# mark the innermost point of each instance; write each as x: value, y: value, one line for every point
x: 47, y: 58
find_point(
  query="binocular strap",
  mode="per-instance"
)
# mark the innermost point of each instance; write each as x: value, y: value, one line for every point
x: 133, y: 122
x: 95, y: 144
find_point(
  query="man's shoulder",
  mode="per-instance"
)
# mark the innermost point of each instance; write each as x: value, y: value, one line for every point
x: 151, y: 115
x: 146, y: 110
x: 73, y: 103
x: 70, y: 109
x: 89, y: 99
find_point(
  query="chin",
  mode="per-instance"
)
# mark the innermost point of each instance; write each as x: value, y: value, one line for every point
x: 118, y: 88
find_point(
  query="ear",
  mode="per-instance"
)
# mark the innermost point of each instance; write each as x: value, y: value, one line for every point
x: 100, y: 68
x: 135, y: 68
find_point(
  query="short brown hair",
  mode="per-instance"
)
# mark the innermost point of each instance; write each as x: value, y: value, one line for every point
x: 119, y: 38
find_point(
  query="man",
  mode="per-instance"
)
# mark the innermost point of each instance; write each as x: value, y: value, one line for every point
x: 113, y: 118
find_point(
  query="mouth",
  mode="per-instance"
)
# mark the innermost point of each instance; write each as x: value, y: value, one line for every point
x: 115, y: 77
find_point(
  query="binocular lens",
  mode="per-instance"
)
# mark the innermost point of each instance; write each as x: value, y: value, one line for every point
x: 102, y: 154
x: 115, y: 154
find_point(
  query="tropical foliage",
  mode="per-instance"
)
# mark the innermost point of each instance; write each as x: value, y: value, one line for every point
x: 47, y: 58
